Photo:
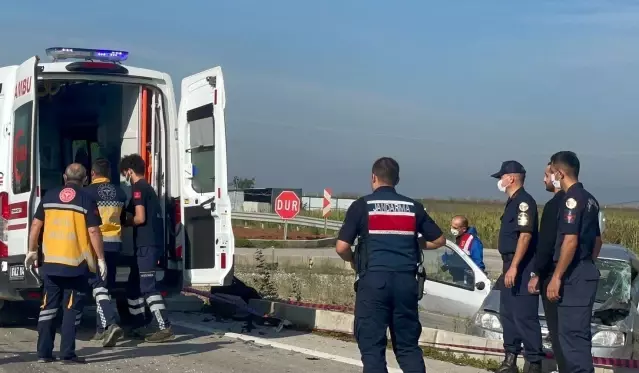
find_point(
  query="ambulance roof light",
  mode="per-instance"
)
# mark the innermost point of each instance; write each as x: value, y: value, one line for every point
x: 105, y: 55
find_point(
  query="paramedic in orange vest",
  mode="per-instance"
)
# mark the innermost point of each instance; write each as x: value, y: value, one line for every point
x: 468, y: 240
x: 110, y: 200
x: 69, y: 222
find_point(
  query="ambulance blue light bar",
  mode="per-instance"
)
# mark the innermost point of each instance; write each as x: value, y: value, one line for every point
x: 105, y: 55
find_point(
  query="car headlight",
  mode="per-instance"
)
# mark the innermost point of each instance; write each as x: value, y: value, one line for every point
x: 608, y: 338
x: 488, y: 321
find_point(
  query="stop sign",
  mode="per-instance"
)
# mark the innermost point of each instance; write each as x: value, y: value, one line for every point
x: 287, y: 205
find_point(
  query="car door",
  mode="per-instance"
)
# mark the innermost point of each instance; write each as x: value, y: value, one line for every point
x: 205, y: 203
x: 454, y: 284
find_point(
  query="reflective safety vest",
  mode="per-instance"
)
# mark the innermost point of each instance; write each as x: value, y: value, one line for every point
x: 65, y: 241
x: 110, y: 200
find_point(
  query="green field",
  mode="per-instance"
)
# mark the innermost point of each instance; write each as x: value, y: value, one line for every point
x: 622, y: 225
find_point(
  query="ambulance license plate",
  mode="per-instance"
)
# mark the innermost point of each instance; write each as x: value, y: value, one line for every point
x: 16, y: 273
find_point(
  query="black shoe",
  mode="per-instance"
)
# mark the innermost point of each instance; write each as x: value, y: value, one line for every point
x: 139, y: 333
x: 111, y: 335
x: 74, y: 360
x: 44, y: 360
x: 534, y: 367
x: 509, y: 365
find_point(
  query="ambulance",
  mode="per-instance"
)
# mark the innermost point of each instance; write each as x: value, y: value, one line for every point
x: 87, y: 104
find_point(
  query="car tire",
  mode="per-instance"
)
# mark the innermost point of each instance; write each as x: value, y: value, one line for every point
x: 24, y: 313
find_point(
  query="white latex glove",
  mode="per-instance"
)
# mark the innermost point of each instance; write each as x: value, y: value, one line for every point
x: 103, y: 269
x: 31, y: 257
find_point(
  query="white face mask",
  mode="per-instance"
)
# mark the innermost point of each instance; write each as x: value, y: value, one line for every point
x: 501, y: 186
x: 555, y: 182
x: 454, y: 232
x: 127, y: 179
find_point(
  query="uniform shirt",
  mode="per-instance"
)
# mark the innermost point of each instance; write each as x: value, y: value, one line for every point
x: 68, y: 212
x: 110, y: 200
x: 520, y: 216
x: 580, y: 216
x: 548, y: 234
x: 389, y: 223
x: 151, y: 233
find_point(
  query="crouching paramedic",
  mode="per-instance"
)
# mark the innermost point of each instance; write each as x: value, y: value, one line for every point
x: 71, y: 241
x: 110, y: 200
x: 148, y: 237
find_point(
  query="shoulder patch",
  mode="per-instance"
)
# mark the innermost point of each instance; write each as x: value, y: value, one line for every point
x: 523, y: 206
x: 67, y: 195
x: 137, y: 195
x: 522, y: 219
x: 571, y: 203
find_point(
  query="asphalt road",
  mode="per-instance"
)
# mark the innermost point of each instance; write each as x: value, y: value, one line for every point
x: 201, y: 345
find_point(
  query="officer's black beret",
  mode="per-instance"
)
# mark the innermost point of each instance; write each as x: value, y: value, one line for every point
x: 509, y: 167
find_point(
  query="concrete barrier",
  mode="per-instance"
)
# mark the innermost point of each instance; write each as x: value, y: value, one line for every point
x: 477, y: 347
x: 297, y: 244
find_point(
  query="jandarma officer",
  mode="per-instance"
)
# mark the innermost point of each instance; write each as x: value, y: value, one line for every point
x: 387, y: 224
x: 574, y: 281
x: 70, y: 223
x: 517, y: 243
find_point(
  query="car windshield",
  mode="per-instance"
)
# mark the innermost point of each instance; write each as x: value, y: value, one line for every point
x: 615, y: 281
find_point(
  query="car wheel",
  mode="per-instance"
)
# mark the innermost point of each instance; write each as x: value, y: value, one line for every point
x: 23, y: 313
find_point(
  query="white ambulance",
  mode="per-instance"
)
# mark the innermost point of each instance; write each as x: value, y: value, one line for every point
x: 86, y: 104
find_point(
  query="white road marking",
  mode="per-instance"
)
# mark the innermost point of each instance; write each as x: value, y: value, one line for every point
x: 281, y: 346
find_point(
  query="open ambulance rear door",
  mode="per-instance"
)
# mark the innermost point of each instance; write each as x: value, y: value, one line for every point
x: 22, y: 195
x: 205, y: 203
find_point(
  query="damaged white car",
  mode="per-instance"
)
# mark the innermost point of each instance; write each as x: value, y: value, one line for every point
x: 615, y: 320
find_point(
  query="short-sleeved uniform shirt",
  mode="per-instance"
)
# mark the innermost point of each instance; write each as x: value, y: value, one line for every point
x: 110, y: 200
x: 151, y: 233
x: 520, y: 216
x: 68, y: 212
x: 390, y: 223
x: 579, y: 215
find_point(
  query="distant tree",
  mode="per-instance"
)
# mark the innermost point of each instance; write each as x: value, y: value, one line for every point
x: 242, y: 183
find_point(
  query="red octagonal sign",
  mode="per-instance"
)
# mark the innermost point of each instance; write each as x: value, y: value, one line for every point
x: 287, y: 205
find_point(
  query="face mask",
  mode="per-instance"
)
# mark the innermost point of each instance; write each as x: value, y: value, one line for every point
x: 454, y: 232
x: 127, y: 179
x: 555, y: 182
x: 501, y: 186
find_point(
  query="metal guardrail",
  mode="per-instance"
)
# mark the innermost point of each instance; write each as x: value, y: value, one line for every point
x: 274, y: 218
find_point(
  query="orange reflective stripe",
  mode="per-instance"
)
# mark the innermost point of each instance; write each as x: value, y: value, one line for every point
x: 44, y: 301
x: 70, y: 300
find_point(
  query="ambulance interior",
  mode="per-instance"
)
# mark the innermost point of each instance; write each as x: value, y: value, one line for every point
x: 81, y: 121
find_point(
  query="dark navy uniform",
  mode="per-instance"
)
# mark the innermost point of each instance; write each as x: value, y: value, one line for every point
x: 548, y: 228
x: 579, y: 215
x: 386, y: 257
x: 68, y: 263
x: 518, y: 308
x: 149, y: 248
x: 110, y: 200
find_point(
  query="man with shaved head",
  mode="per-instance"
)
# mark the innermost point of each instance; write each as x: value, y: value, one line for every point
x: 468, y: 240
x: 71, y: 240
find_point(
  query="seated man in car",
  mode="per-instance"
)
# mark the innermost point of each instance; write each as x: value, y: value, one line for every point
x: 467, y: 239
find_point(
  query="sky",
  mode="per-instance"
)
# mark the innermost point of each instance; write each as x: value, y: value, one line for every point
x: 316, y: 91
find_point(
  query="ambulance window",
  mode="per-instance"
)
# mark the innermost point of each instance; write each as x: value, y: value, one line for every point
x: 202, y: 147
x: 21, y: 174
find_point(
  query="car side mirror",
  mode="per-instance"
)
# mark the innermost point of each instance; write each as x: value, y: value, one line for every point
x: 480, y: 285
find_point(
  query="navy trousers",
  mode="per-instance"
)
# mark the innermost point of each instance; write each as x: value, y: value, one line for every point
x: 70, y: 294
x: 388, y: 300
x: 519, y: 316
x: 574, y: 311
x: 142, y: 288
x: 106, y: 311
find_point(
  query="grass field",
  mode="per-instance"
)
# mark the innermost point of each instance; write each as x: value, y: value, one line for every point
x: 622, y: 225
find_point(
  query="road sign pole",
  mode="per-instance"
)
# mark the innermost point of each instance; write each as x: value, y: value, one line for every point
x: 285, y: 229
x: 325, y: 223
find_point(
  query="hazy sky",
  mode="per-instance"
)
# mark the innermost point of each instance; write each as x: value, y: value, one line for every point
x: 316, y: 91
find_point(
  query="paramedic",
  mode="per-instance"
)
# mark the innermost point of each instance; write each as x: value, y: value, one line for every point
x: 573, y: 284
x: 387, y: 224
x: 110, y: 200
x: 517, y: 243
x: 542, y: 273
x: 467, y: 239
x: 71, y: 240
x: 148, y: 236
